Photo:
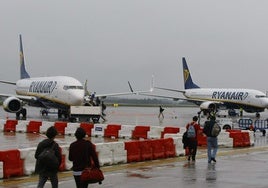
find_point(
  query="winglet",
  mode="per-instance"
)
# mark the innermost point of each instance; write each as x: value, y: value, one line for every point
x: 188, y: 82
x: 23, y: 72
x: 152, y: 84
x: 87, y: 93
x: 130, y: 87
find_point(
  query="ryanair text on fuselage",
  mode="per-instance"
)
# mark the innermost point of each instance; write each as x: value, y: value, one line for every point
x: 42, y: 86
x: 228, y: 95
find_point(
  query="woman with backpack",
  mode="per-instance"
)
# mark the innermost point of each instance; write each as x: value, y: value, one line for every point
x: 192, y: 131
x: 48, y: 159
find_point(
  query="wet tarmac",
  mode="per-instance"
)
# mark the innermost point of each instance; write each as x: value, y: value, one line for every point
x: 235, y: 168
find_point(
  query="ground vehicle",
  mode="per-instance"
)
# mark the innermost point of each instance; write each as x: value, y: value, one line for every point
x: 85, y: 113
x: 225, y: 123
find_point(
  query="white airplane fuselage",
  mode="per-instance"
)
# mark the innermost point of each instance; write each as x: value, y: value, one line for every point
x: 58, y: 90
x: 248, y: 97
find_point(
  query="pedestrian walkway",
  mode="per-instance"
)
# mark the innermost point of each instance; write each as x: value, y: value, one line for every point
x: 235, y: 168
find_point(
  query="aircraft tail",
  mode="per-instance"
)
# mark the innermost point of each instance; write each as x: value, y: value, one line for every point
x: 23, y: 72
x: 188, y: 82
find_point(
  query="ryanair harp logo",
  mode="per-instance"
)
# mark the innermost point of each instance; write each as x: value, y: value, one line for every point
x: 186, y: 74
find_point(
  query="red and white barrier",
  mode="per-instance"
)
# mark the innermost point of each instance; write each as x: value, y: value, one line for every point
x: 150, y: 143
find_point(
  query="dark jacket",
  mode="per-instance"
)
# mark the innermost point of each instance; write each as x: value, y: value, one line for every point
x: 185, y: 140
x: 80, y: 153
x: 40, y: 168
x: 208, y: 127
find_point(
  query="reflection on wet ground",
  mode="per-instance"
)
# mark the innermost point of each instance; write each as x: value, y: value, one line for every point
x: 248, y: 169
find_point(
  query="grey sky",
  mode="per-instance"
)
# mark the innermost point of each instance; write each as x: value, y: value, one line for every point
x: 110, y: 42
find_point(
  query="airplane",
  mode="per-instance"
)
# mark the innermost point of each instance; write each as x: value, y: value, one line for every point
x: 58, y: 92
x: 211, y: 99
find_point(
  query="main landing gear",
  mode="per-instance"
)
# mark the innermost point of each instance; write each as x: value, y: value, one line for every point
x: 22, y: 112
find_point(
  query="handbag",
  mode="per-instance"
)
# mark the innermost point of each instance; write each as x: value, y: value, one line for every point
x: 92, y: 175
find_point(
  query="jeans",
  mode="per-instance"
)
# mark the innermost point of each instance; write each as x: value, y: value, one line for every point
x: 53, y: 179
x: 212, y: 147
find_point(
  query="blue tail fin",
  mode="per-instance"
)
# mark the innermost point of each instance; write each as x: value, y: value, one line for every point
x: 23, y: 72
x: 188, y: 82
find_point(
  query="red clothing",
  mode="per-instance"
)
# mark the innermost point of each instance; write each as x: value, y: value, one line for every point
x: 196, y: 127
x: 80, y: 153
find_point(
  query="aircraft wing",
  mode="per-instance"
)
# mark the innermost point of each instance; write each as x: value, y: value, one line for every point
x: 131, y: 92
x: 113, y: 94
x: 162, y: 96
x: 7, y: 82
x: 168, y: 89
x: 21, y: 97
x: 194, y: 101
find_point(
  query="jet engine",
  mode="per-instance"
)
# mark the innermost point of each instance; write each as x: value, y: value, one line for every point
x: 12, y: 104
x: 208, y: 105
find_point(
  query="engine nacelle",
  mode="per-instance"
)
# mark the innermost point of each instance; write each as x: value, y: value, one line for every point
x: 208, y: 105
x: 12, y: 104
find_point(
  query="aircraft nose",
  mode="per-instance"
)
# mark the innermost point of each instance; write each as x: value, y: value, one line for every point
x: 265, y: 102
x: 77, y: 99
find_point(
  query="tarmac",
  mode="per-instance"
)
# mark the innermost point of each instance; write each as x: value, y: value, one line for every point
x: 235, y: 168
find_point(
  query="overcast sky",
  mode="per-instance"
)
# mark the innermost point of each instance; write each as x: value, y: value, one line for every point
x: 111, y: 42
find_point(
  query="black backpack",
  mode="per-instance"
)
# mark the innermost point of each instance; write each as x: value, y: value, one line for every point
x: 48, y: 158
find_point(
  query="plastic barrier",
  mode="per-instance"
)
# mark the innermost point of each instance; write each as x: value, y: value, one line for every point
x: 22, y: 126
x: 140, y: 132
x: 98, y: 130
x: 12, y: 163
x: 71, y: 128
x: 65, y: 152
x: 158, y: 148
x: 87, y: 127
x: 246, y: 139
x: 1, y: 170
x: 155, y: 132
x: 112, y: 130
x: 2, y: 125
x: 177, y: 139
x: 104, y: 153
x: 169, y: 147
x: 45, y: 126
x: 170, y: 130
x: 10, y: 125
x: 34, y: 127
x: 119, y: 152
x: 224, y: 139
x: 63, y: 159
x: 237, y: 137
x: 146, y: 150
x: 126, y: 131
x: 133, y: 151
x: 60, y: 126
x: 27, y: 155
x: 201, y: 138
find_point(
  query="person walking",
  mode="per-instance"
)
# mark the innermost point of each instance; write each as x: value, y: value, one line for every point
x: 212, y: 140
x: 192, y: 129
x: 161, y: 110
x: 82, y: 153
x: 48, y: 168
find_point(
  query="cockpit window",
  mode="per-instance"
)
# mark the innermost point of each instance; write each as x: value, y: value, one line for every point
x: 72, y: 87
x: 261, y: 96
